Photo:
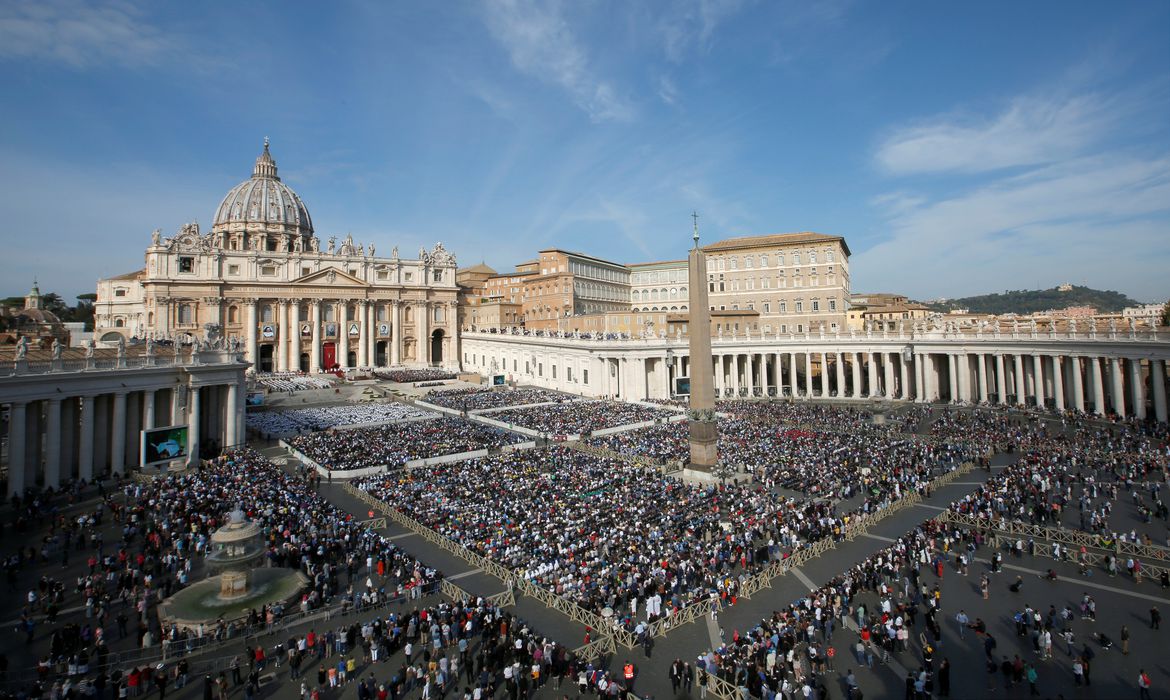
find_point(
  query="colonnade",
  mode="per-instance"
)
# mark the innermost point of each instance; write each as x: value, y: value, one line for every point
x: 65, y: 425
x: 1088, y: 373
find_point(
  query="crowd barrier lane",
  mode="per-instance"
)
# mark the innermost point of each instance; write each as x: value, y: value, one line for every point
x: 602, y: 646
x: 721, y: 689
x: 683, y: 616
x: 1151, y: 556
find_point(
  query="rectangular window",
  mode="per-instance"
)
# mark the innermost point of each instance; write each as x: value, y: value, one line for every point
x: 816, y: 305
x: 233, y: 269
x: 383, y: 274
x: 584, y: 376
x: 409, y: 276
x: 268, y: 271
x: 799, y: 307
x: 832, y: 305
x: 186, y: 264
x: 540, y: 369
x: 119, y: 292
x: 305, y: 271
x: 783, y: 307
x: 767, y: 308
x: 783, y: 327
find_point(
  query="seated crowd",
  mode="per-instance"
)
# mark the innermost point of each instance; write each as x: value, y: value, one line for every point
x: 304, y: 420
x: 410, y: 376
x: 291, y: 381
x: 395, y: 444
x: 604, y: 533
x: 477, y: 399
x: 580, y: 417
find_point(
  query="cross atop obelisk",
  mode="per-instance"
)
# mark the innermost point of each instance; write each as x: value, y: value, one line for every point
x: 704, y: 434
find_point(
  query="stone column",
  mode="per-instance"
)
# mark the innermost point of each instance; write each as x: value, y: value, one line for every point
x: 793, y: 383
x: 735, y: 374
x: 920, y: 379
x: 294, y: 338
x: 982, y: 377
x: 53, y: 443
x: 422, y: 326
x: 855, y: 370
x: 905, y: 376
x: 824, y: 375
x: 231, y: 433
x: 1038, y: 379
x: 888, y: 367
x: 872, y: 375
x: 808, y: 381
x: 17, y: 420
x: 1000, y: 379
x: 1058, y: 382
x: 363, y: 311
x: 1158, y: 377
x: 1098, y: 386
x: 194, y: 413
x: 315, y: 330
x: 343, y: 332
x: 280, y: 350
x: 118, y: 434
x: 1078, y: 388
x: 251, y: 332
x: 85, y: 441
x: 720, y: 376
x: 839, y: 365
x: 750, y: 373
x: 1118, y: 387
x: 395, y: 334
x: 148, y: 409
x: 953, y: 376
x: 1021, y: 394
x: 1137, y: 389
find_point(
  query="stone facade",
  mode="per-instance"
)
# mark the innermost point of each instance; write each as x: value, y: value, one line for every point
x: 262, y: 276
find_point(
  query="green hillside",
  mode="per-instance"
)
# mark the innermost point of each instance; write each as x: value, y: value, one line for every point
x: 1026, y: 301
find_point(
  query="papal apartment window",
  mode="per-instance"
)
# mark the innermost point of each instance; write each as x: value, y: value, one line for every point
x: 796, y: 258
x: 832, y: 305
x: 767, y: 308
x: 800, y: 307
x: 800, y: 328
x: 186, y: 264
x: 816, y: 306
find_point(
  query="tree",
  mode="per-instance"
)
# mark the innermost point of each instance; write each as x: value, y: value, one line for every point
x: 1166, y: 314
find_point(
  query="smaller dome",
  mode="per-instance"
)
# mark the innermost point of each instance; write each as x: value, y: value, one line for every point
x: 264, y: 199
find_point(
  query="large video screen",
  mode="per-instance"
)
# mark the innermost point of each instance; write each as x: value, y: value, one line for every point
x: 682, y: 386
x: 162, y: 445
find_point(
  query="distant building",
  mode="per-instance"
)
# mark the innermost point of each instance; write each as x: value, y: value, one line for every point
x: 1147, y: 313
x: 883, y: 311
x: 34, y: 322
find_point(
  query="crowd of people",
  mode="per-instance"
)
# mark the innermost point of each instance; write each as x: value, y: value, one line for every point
x: 604, y: 533
x: 850, y: 455
x: 396, y: 444
x: 289, y: 382
x: 410, y: 376
x: 302, y: 421
x: 166, y: 526
x: 579, y: 417
x: 478, y: 399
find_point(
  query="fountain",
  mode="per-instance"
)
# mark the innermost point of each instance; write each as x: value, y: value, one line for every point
x: 236, y: 585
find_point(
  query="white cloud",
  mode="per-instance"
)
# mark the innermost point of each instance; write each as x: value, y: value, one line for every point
x: 1102, y: 220
x: 667, y: 90
x: 1030, y: 131
x: 80, y: 34
x: 692, y: 23
x: 540, y: 43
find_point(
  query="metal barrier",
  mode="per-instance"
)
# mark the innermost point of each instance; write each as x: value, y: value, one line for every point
x: 596, y: 649
x: 1077, y: 538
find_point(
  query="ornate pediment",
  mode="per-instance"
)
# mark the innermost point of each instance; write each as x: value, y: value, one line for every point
x: 331, y: 277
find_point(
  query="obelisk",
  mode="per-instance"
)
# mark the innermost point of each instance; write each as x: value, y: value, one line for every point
x: 704, y: 434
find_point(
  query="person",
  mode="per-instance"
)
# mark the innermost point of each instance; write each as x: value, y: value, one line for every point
x: 1155, y: 617
x: 1124, y: 636
x: 962, y: 619
x: 1078, y: 669
x: 1031, y: 675
x: 850, y: 685
x: 944, y: 679
x: 985, y: 586
x: 1015, y: 587
x: 1143, y: 685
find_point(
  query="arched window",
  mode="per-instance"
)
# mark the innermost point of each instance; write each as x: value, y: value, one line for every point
x: 119, y: 323
x: 266, y: 313
x: 233, y: 314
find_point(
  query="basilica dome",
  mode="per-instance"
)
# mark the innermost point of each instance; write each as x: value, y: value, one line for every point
x: 264, y: 202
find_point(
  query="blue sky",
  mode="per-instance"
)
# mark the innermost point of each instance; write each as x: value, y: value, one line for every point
x: 960, y: 148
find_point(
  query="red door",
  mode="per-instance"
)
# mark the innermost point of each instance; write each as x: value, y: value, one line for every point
x: 329, y: 357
